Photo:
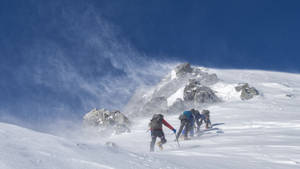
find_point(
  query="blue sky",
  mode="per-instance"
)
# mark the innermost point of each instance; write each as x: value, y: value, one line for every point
x: 61, y: 58
x: 260, y: 34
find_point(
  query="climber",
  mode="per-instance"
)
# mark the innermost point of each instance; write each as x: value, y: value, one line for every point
x: 206, y: 118
x: 199, y: 118
x: 156, y: 130
x: 187, y: 123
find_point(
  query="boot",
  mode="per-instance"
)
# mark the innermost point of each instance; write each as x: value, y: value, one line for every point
x: 160, y: 145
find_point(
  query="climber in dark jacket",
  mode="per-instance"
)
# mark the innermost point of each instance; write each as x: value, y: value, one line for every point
x: 206, y: 118
x: 156, y: 130
x: 199, y: 118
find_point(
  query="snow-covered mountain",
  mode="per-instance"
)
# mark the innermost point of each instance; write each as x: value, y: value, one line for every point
x: 262, y: 132
x: 182, y: 88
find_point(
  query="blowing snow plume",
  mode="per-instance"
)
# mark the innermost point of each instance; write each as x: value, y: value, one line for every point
x: 73, y: 62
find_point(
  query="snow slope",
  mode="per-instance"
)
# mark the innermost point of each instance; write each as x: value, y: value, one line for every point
x: 263, y: 132
x: 27, y: 149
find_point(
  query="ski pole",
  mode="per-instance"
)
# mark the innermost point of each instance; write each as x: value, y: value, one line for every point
x: 177, y: 141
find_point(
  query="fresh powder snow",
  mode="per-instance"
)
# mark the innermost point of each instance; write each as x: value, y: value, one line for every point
x: 260, y: 133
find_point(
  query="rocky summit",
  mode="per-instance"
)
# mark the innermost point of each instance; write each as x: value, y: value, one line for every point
x: 184, y: 87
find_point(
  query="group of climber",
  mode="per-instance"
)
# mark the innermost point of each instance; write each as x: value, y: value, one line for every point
x: 189, y: 120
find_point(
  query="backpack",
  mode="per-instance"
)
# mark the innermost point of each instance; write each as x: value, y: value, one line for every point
x: 187, y: 116
x: 156, y: 122
x: 205, y: 112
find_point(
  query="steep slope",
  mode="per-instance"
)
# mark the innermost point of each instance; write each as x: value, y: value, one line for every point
x: 259, y: 133
x: 24, y: 148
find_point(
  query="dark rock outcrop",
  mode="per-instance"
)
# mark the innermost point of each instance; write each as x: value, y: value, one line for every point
x: 247, y: 91
x: 197, y: 93
x: 156, y: 99
x: 183, y: 69
x: 107, y: 120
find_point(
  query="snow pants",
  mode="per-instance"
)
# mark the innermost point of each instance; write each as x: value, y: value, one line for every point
x: 154, y: 135
x: 187, y: 128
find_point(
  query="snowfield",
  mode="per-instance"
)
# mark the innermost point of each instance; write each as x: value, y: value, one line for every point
x: 260, y: 133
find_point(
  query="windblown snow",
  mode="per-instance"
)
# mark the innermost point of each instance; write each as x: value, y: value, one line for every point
x: 260, y: 133
x: 176, y: 95
x: 226, y: 91
x: 173, y: 75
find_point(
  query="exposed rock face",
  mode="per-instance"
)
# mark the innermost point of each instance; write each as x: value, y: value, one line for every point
x: 198, y: 93
x: 168, y: 95
x: 183, y: 69
x: 107, y: 120
x: 247, y: 91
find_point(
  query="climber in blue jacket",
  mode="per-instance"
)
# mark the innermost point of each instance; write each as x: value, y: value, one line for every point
x: 187, y: 123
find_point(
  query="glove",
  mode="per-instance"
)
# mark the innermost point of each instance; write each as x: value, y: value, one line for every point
x: 174, y: 130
